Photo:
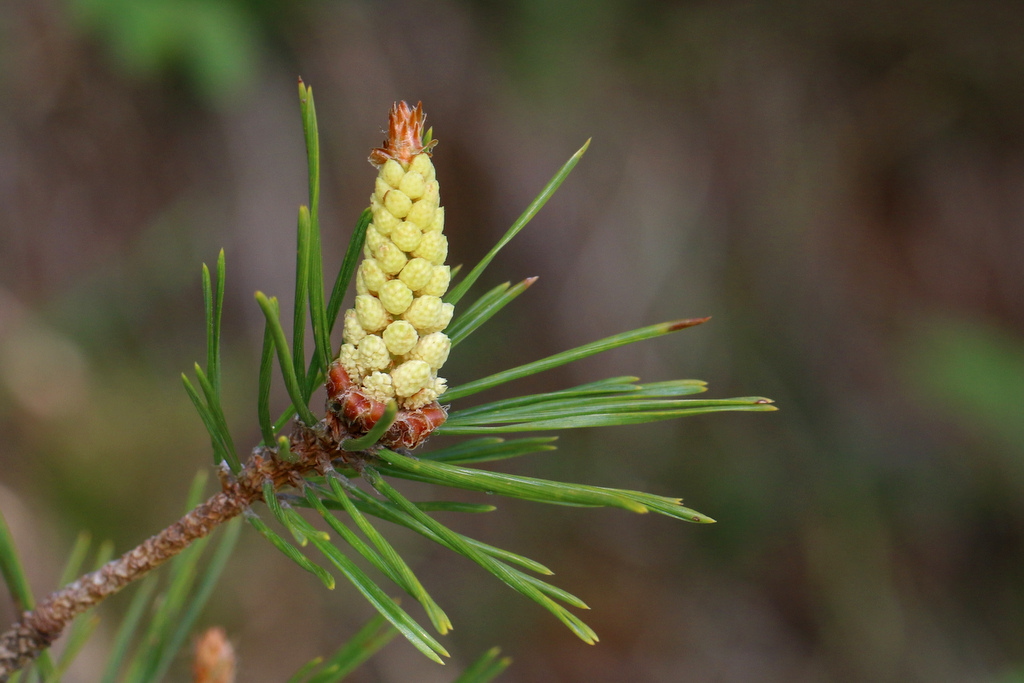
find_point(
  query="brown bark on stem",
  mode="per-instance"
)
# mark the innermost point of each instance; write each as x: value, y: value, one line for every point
x: 39, y: 628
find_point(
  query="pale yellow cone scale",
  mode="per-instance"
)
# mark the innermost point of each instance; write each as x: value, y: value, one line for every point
x: 394, y: 343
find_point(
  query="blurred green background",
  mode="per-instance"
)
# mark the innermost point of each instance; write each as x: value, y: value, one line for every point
x: 841, y: 185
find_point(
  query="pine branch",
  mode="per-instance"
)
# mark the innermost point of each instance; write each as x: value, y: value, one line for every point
x: 40, y: 627
x: 382, y: 402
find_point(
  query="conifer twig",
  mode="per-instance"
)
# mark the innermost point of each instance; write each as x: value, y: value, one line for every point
x: 383, y: 392
x: 40, y: 627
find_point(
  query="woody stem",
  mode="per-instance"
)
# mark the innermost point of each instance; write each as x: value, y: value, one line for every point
x: 39, y: 628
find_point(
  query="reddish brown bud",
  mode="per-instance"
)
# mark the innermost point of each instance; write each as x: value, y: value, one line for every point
x: 405, y: 135
x: 351, y: 410
x: 215, y: 658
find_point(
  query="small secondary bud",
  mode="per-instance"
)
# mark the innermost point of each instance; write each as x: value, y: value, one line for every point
x: 214, y: 659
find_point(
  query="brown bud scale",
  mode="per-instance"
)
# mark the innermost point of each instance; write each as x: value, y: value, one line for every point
x: 405, y: 135
x: 351, y: 410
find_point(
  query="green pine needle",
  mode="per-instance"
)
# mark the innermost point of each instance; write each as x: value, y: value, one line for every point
x: 306, y: 670
x: 317, y: 309
x: 263, y: 397
x: 302, y: 259
x: 484, y: 309
x: 220, y: 451
x: 284, y: 418
x: 529, y: 488
x: 580, y: 352
x: 394, y: 561
x: 17, y: 584
x: 625, y: 387
x: 511, y: 485
x: 506, y: 574
x: 313, y: 276
x: 76, y: 558
x: 129, y: 627
x: 77, y: 636
x: 387, y: 607
x: 284, y: 450
x: 302, y: 525
x: 615, y: 418
x: 218, y: 313
x: 284, y: 359
x: 470, y: 312
x: 387, y: 562
x: 348, y: 266
x: 426, y: 506
x: 452, y: 506
x: 198, y: 598
x: 175, y: 611
x: 209, y: 315
x: 213, y: 305
x: 367, y: 642
x: 83, y: 626
x: 485, y: 668
x: 673, y: 387
x: 314, y: 501
x: 289, y: 551
x: 490, y: 448
x: 541, y: 199
x: 210, y: 380
x: 270, y: 498
x: 217, y: 413
x: 379, y: 428
x: 312, y: 135
x: 155, y: 644
x: 323, y: 351
x: 591, y: 411
x: 392, y: 513
x: 195, y: 490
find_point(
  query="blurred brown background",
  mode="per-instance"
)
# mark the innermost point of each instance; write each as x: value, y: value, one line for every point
x: 841, y: 185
